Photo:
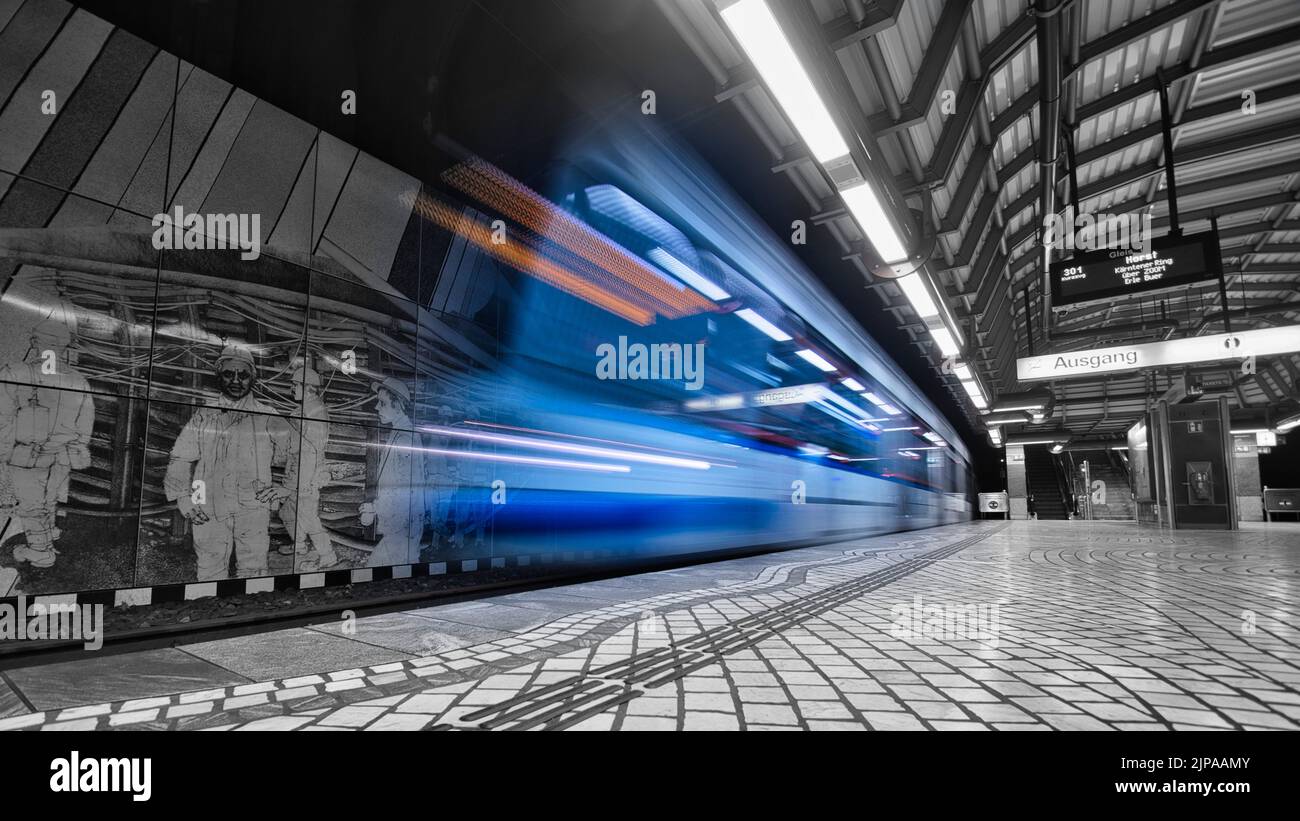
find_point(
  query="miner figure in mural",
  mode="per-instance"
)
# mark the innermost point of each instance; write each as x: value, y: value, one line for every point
x: 397, y: 510
x: 219, y: 474
x: 46, y: 420
x: 307, y: 470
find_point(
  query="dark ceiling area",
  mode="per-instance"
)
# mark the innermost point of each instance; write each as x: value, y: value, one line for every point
x: 506, y: 80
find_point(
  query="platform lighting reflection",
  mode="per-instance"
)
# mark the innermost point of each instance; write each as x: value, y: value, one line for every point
x: 559, y: 435
x: 511, y: 458
x: 763, y: 325
x: 815, y: 359
x: 759, y: 34
x: 858, y: 413
x: 686, y: 274
x: 563, y: 447
x: 601, y: 262
x: 882, y: 404
x: 526, y: 259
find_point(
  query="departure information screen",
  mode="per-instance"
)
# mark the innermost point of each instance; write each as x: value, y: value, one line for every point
x: 1107, y: 274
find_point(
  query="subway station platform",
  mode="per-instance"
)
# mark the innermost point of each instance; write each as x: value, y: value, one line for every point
x: 1027, y: 625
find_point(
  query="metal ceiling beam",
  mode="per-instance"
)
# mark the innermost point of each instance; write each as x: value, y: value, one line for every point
x: 1231, y: 106
x: 1199, y: 152
x: 1205, y: 151
x: 1139, y: 28
x: 1230, y: 53
x: 925, y: 86
x: 878, y: 16
x: 1018, y: 34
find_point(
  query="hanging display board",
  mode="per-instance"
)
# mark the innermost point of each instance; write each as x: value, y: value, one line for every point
x: 1170, y: 262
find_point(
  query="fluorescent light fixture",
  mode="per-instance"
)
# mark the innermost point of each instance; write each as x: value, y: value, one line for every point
x: 1236, y: 432
x: 759, y: 34
x: 1288, y: 423
x: 1119, y: 447
x: 891, y: 410
x: 763, y: 325
x: 944, y: 339
x: 889, y: 430
x: 995, y: 436
x: 853, y: 384
x: 934, y: 437
x: 873, y: 428
x: 976, y: 394
x: 815, y: 359
x: 1058, y: 447
x: 874, y: 222
x: 917, y: 294
x: 1037, y: 442
x: 963, y: 373
x: 1037, y: 406
x: 686, y: 274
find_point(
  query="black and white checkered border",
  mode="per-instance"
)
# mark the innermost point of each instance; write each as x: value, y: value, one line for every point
x: 158, y: 594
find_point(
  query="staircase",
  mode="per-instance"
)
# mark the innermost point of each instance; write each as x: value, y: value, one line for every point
x: 1040, y: 475
x: 1119, y: 499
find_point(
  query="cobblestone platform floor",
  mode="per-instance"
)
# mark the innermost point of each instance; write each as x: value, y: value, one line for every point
x: 981, y: 626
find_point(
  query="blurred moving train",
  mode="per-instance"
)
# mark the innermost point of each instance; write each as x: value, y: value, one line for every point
x: 673, y: 381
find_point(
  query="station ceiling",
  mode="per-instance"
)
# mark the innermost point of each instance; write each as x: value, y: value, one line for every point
x: 951, y: 92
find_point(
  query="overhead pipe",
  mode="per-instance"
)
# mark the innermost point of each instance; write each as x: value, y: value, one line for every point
x: 1135, y: 327
x: 1246, y: 313
x: 1047, y: 27
x: 876, y: 60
